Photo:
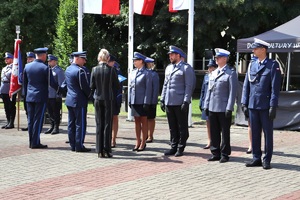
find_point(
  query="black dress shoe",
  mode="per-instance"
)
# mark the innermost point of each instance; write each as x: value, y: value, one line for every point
x: 4, y: 126
x: 179, y: 153
x: 170, y: 152
x: 206, y: 147
x: 24, y: 129
x: 73, y: 149
x: 254, y: 163
x: 214, y: 158
x: 83, y: 150
x: 49, y: 131
x: 266, y: 165
x: 39, y: 146
x: 9, y: 126
x: 224, y: 159
x: 54, y: 132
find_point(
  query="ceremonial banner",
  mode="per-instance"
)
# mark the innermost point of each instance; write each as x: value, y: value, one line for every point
x: 17, y: 70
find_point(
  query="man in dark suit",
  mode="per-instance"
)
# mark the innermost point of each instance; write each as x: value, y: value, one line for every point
x: 78, y: 91
x: 175, y: 99
x: 37, y: 77
x: 219, y: 104
x: 259, y: 100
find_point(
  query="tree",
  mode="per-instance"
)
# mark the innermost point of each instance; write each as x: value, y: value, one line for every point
x: 35, y: 19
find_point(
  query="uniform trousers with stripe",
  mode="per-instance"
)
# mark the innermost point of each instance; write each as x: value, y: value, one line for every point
x: 35, y: 111
x: 76, y: 126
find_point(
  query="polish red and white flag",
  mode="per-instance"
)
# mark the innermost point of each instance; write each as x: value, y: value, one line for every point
x: 144, y: 7
x: 175, y: 5
x: 17, y: 70
x: 103, y: 7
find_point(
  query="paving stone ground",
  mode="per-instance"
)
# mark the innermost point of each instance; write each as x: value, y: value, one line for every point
x: 59, y: 173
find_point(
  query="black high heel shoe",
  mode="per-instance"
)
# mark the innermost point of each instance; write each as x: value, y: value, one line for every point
x: 249, y: 151
x: 142, y: 148
x: 101, y: 155
x: 108, y: 154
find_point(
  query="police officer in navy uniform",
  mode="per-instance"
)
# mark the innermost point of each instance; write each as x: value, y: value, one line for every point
x: 29, y: 58
x: 9, y: 103
x: 140, y: 93
x: 117, y: 100
x: 78, y: 92
x: 175, y: 99
x: 54, y: 104
x: 211, y: 67
x: 259, y: 100
x: 154, y: 98
x: 219, y: 104
x: 37, y: 77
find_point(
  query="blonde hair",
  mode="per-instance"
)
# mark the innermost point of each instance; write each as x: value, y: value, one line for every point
x: 103, y: 55
x: 150, y: 65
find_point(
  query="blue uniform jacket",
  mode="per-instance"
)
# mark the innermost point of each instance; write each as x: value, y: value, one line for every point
x: 37, y: 78
x: 262, y: 85
x: 77, y: 84
x: 59, y: 77
x: 140, y: 87
x: 222, y: 90
x: 203, y: 90
x: 178, y: 84
x: 155, y: 87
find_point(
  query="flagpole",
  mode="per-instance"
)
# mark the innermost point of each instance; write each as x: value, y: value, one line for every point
x: 191, y: 47
x: 130, y: 53
x: 18, y: 30
x: 80, y: 14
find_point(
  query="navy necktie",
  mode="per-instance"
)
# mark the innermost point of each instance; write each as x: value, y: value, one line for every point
x: 219, y: 71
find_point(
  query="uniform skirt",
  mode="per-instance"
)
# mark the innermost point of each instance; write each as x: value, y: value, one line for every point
x: 116, y: 108
x: 137, y: 110
x: 204, y: 116
x: 152, y: 112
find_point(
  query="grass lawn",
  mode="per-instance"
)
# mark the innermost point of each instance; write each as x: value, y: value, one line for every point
x: 196, y: 114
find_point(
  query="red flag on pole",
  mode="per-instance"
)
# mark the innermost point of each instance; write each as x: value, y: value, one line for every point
x: 144, y: 7
x: 103, y: 7
x: 17, y: 70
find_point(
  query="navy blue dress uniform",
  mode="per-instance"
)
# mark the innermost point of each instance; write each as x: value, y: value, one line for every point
x: 30, y: 57
x: 54, y: 104
x: 140, y: 91
x: 204, y: 88
x: 78, y: 92
x: 37, y: 77
x: 155, y: 91
x: 175, y: 98
x: 260, y: 99
x: 9, y: 103
x: 117, y: 92
x: 104, y: 81
x: 219, y: 101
